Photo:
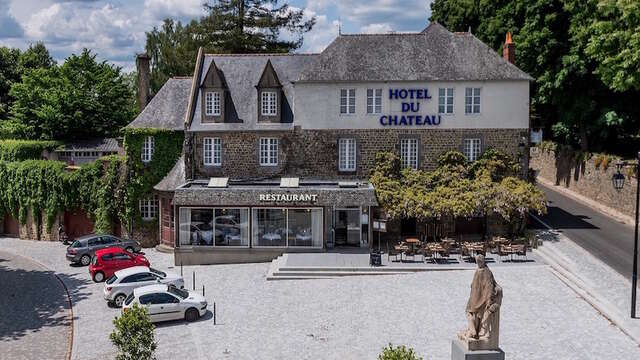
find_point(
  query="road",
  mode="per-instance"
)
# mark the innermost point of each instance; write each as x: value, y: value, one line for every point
x: 607, y: 239
x: 34, y: 311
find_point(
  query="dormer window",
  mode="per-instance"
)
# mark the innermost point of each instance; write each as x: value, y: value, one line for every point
x: 212, y: 103
x: 269, y: 103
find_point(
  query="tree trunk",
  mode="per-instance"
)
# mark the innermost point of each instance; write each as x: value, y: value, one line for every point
x: 584, y: 141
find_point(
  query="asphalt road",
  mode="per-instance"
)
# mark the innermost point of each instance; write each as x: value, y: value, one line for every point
x: 607, y: 239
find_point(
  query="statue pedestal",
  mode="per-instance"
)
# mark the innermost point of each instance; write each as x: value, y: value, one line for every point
x: 460, y: 351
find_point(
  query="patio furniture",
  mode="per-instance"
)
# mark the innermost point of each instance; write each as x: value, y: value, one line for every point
x: 426, y: 252
x: 520, y: 250
x: 395, y: 251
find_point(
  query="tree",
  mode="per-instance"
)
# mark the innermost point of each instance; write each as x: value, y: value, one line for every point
x: 82, y: 98
x: 230, y: 26
x: 9, y: 74
x: 133, y: 335
x: 36, y: 56
x: 614, y: 43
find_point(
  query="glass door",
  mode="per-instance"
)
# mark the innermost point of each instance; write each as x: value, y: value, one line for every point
x: 347, y: 227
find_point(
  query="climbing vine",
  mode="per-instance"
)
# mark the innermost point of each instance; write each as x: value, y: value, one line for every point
x: 143, y: 176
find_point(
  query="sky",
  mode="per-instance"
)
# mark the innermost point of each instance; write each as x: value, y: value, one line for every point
x: 115, y: 29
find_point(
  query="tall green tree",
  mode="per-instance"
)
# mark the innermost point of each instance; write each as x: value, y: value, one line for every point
x: 36, y: 56
x: 83, y: 98
x: 9, y: 74
x: 229, y: 26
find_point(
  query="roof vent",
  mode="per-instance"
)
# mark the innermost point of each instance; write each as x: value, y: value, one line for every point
x: 292, y: 182
x: 348, y: 184
x: 218, y: 182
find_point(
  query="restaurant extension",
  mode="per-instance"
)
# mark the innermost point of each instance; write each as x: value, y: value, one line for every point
x: 411, y: 106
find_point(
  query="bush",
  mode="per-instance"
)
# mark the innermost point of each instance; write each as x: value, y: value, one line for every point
x: 133, y: 335
x: 19, y: 150
x: 398, y: 353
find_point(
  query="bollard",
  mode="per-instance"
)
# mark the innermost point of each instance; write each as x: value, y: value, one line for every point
x: 181, y: 275
x: 202, y: 289
x: 214, y: 313
x: 194, y: 280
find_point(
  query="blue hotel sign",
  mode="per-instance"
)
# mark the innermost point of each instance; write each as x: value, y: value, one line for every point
x: 410, y: 108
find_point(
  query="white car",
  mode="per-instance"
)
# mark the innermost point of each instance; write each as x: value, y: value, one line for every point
x: 167, y: 302
x: 123, y: 282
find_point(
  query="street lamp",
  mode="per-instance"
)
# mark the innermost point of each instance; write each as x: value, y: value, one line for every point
x: 618, y: 183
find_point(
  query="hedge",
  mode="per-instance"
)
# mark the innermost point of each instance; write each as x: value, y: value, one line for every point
x: 19, y: 150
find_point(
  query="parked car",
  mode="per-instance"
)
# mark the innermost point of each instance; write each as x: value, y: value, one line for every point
x: 123, y: 282
x: 167, y: 302
x: 107, y: 261
x: 83, y: 248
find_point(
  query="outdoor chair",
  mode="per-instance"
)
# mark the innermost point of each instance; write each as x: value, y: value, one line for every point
x: 393, y: 252
x: 425, y: 252
x: 520, y: 250
x: 503, y: 252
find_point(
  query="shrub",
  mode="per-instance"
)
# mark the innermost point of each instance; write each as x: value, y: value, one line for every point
x: 606, y: 160
x: 597, y: 161
x: 133, y: 335
x: 19, y: 150
x: 398, y: 353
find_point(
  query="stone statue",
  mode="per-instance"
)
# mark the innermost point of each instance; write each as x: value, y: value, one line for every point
x: 483, y: 310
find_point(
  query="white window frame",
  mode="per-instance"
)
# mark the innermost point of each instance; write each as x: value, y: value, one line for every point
x: 374, y: 101
x: 148, y: 208
x: 268, y: 151
x: 472, y: 148
x: 212, y: 103
x: 212, y: 151
x: 445, y: 101
x: 349, y: 106
x: 269, y: 103
x: 148, y: 145
x: 472, y: 101
x: 409, y: 152
x: 347, y: 154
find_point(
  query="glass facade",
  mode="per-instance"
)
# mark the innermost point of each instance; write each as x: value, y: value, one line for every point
x: 214, y: 227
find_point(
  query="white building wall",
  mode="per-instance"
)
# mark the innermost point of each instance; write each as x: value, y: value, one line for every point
x: 504, y: 105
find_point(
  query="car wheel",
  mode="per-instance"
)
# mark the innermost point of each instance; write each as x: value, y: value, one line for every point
x: 85, y: 260
x: 129, y: 249
x: 98, y: 277
x: 191, y: 315
x: 118, y: 300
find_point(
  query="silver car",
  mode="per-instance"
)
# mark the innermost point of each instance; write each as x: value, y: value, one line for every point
x: 123, y: 282
x: 83, y: 248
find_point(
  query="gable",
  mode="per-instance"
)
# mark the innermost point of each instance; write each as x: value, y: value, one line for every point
x: 214, y: 77
x: 269, y: 77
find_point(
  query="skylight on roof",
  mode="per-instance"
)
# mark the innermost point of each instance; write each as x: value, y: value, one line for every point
x: 218, y: 182
x: 292, y: 182
x: 347, y: 184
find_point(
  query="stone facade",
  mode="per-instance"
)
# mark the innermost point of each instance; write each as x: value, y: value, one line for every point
x: 314, y: 153
x: 561, y: 168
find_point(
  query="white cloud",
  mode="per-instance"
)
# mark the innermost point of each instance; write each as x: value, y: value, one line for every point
x: 160, y: 9
x: 376, y: 28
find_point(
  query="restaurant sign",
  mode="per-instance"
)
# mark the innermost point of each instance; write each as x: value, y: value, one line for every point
x: 274, y: 197
x: 410, y: 108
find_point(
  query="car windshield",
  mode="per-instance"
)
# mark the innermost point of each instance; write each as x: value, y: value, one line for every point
x: 76, y: 244
x: 158, y: 272
x: 129, y: 299
x: 112, y: 279
x: 183, y: 294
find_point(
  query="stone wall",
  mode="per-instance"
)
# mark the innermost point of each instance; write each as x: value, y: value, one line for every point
x: 314, y: 153
x: 561, y: 168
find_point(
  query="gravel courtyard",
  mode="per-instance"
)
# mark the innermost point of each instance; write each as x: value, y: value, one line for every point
x: 345, y: 318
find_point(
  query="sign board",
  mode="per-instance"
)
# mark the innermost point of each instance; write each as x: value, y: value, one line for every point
x: 536, y: 136
x: 380, y: 225
x: 410, y: 101
x: 284, y: 197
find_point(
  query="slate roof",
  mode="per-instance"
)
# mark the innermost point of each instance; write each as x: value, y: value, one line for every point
x: 434, y: 54
x: 175, y: 177
x: 242, y: 73
x: 105, y: 144
x: 168, y: 107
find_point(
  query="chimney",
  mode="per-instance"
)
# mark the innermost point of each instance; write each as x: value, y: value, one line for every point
x: 509, y: 49
x: 144, y: 80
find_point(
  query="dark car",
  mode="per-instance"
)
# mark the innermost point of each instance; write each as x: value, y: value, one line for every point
x: 83, y: 248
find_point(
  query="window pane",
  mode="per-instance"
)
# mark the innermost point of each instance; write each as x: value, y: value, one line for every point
x: 269, y: 227
x: 195, y: 226
x: 467, y: 92
x: 305, y: 227
x: 232, y: 227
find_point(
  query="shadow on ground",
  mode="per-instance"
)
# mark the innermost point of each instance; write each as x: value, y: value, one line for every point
x: 32, y: 298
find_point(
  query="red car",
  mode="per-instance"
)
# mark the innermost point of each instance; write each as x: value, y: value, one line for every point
x: 108, y: 261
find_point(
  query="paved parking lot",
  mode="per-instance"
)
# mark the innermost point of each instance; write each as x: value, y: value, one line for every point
x: 346, y: 318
